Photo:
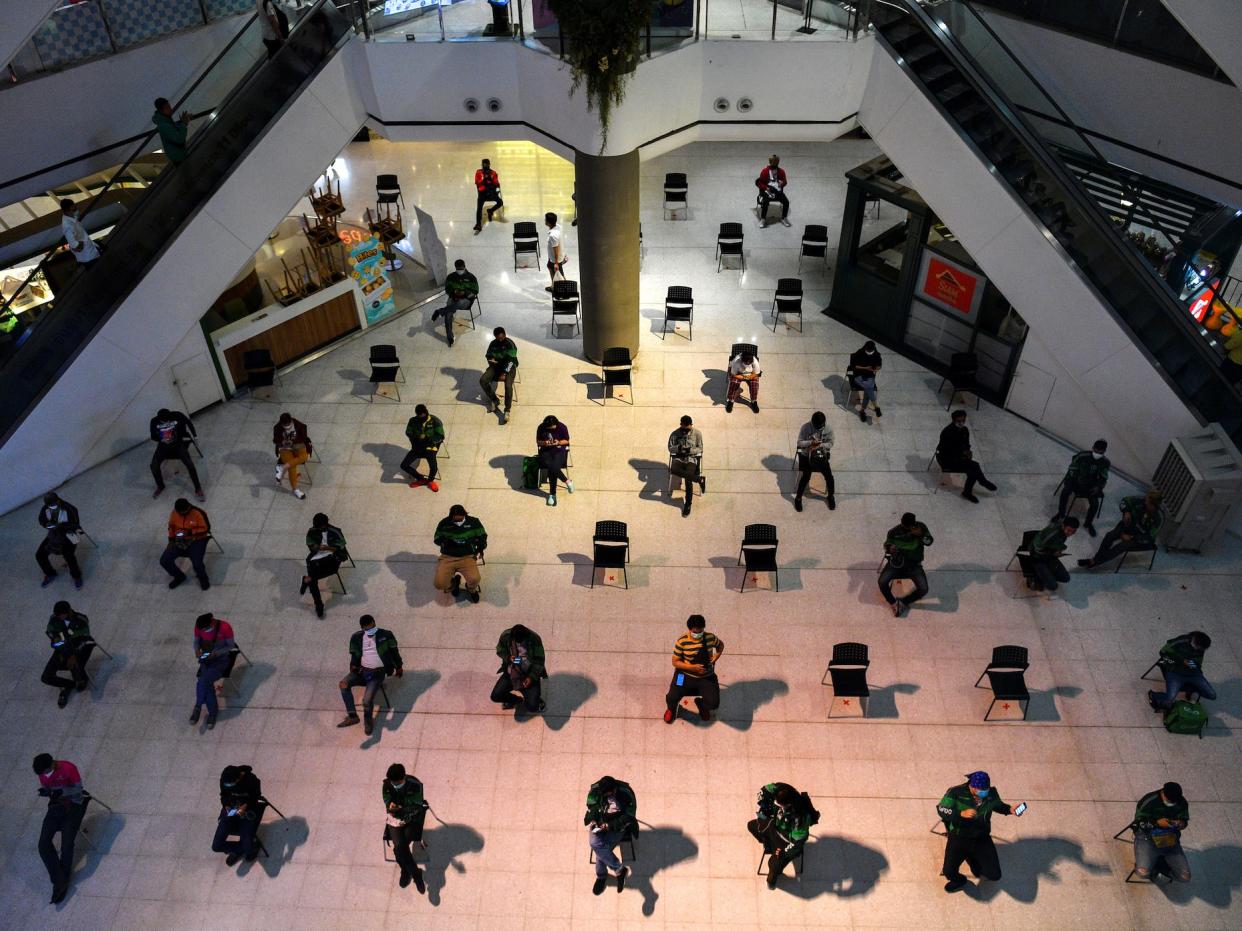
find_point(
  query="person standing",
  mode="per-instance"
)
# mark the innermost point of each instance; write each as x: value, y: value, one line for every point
x: 552, y: 438
x: 502, y: 363
x: 188, y: 533
x: 373, y: 655
x: 904, y: 547
x: 954, y: 455
x: 240, y: 795
x: 1086, y: 478
x: 462, y: 540
x: 1047, y: 547
x: 695, y: 655
x: 325, y: 545
x: 425, y: 433
x: 1181, y: 663
x: 966, y: 811
x: 171, y: 431
x: 172, y: 130
x: 814, y: 455
x: 743, y: 370
x: 405, y: 811
x: 487, y: 183
x: 685, y: 460
x: 557, y: 256
x: 1159, y: 819
x: 864, y: 365
x: 771, y: 184
x: 213, y: 643
x: 611, y: 817
x: 782, y: 824
x: 76, y: 238
x: 61, y: 784
x: 61, y: 521
x: 70, y: 634
x: 273, y: 25
x: 1141, y: 521
x: 293, y: 448
x: 521, y: 669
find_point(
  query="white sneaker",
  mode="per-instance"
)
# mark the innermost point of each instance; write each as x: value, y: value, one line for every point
x: 785, y: 222
x: 569, y: 486
x: 299, y: 493
x: 280, y: 474
x: 551, y: 501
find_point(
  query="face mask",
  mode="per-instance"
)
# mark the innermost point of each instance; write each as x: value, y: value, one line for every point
x: 1095, y: 455
x: 459, y: 523
x: 371, y: 631
x: 399, y: 785
x: 229, y: 785
x: 983, y: 793
x: 697, y: 636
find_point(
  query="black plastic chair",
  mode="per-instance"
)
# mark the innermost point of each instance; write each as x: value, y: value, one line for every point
x: 758, y: 548
x: 1008, y: 686
x: 848, y: 669
x: 611, y: 546
x: 963, y: 369
x: 1137, y: 548
x: 388, y: 190
x: 1023, y: 553
x: 679, y: 308
x: 814, y: 244
x: 565, y: 303
x: 738, y: 348
x: 675, y: 190
x: 385, y: 370
x: 260, y: 369
x: 617, y: 366
x: 1007, y: 657
x: 787, y: 300
x: 525, y: 240
x: 729, y: 242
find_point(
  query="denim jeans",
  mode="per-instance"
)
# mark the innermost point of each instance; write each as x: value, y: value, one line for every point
x: 62, y: 818
x: 603, y: 843
x: 372, y: 679
x: 1146, y: 853
x: 1181, y: 680
x: 205, y: 685
x: 866, y: 384
x: 914, y: 573
x: 244, y: 827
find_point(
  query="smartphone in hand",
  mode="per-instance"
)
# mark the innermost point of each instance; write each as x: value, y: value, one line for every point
x: 1020, y: 809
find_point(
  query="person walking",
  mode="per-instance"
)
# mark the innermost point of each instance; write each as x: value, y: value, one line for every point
x: 325, y: 545
x: 695, y: 655
x: 79, y: 242
x: 461, y: 288
x: 293, y: 448
x: 1159, y: 819
x: 373, y: 655
x: 782, y: 824
x: 213, y: 644
x: 611, y: 817
x: 462, y: 541
x: 522, y: 667
x: 172, y: 431
x: 425, y: 433
x: 1181, y: 663
x: 63, y: 525
x: 685, y: 461
x: 1086, y: 478
x: 904, y: 547
x: 814, y: 455
x: 864, y: 366
x: 188, y: 533
x: 69, y: 632
x: 405, y: 812
x: 954, y: 455
x: 771, y: 184
x: 61, y: 784
x: 487, y: 184
x: 172, y: 130
x: 557, y: 256
x: 1141, y: 521
x: 1047, y: 547
x: 240, y: 797
x: 552, y: 438
x: 966, y: 811
x: 502, y: 363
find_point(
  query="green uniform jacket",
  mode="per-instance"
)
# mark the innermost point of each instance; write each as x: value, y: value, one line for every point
x: 385, y: 646
x: 70, y: 631
x: 621, y: 820
x: 172, y: 135
x: 409, y: 798
x: 501, y: 351
x: 1087, y: 472
x: 534, y: 652
x: 1180, y: 654
x: 1144, y: 526
x: 958, y: 799
x: 336, y: 540
x: 1151, y: 807
x: 464, y: 282
x: 466, y: 540
x: 427, y: 433
x: 908, y: 543
x: 1050, y: 541
x: 794, y: 826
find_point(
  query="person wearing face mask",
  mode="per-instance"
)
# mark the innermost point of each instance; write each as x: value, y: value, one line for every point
x: 405, y: 811
x: 1044, y: 562
x: 521, y: 669
x: 1181, y: 662
x: 61, y: 784
x: 213, y: 642
x: 611, y: 816
x: 864, y: 366
x: 326, y: 551
x: 966, y: 811
x: 1159, y: 819
x: 552, y: 440
x: 1141, y: 521
x: 695, y: 655
x: 61, y: 521
x: 240, y: 791
x: 954, y: 455
x: 462, y: 540
x: 904, y: 548
x: 814, y: 455
x: 293, y: 448
x: 70, y: 635
x: 1086, y: 478
x: 782, y: 824
x: 373, y: 655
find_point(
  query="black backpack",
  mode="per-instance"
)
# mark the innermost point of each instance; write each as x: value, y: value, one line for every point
x: 812, y: 816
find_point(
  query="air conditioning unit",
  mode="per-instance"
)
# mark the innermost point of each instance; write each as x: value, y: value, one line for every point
x: 1201, y: 478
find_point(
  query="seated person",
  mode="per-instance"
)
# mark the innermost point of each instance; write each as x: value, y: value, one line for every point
x: 213, y: 642
x: 293, y: 448
x: 462, y: 288
x: 611, y: 816
x: 864, y: 366
x: 502, y: 362
x: 188, y: 533
x: 552, y: 438
x: 1181, y: 661
x: 70, y: 635
x: 1141, y: 520
x: 172, y: 432
x: 904, y: 546
x: 743, y: 370
x: 425, y: 432
x: 771, y: 184
x: 405, y: 811
x: 462, y: 540
x: 814, y: 455
x: 685, y: 452
x: 1047, y: 548
x: 954, y: 455
x: 373, y: 655
x: 1159, y: 819
x: 695, y: 655
x: 240, y: 792
x: 61, y: 784
x: 60, y: 519
x: 326, y: 551
x: 782, y: 824
x: 1086, y: 478
x: 521, y: 669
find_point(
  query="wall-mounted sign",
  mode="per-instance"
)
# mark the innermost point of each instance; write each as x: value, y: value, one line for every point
x: 950, y: 286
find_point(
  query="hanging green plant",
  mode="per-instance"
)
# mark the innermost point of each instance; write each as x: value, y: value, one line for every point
x: 602, y: 44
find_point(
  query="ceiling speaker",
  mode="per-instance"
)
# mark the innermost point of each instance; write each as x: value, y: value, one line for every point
x: 493, y: 105
x: 745, y: 105
x: 721, y: 105
x: 471, y: 105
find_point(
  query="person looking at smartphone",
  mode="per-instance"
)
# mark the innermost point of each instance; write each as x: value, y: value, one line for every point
x: 695, y: 655
x: 240, y: 791
x: 213, y: 641
x: 521, y: 669
x: 405, y: 811
x: 611, y: 817
x: 1159, y: 819
x: 966, y: 811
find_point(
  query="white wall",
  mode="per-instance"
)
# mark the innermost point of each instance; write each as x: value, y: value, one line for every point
x: 1217, y: 26
x: 20, y: 19
x: 1080, y: 377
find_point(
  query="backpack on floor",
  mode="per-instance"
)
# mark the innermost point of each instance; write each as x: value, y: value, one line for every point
x: 530, y: 472
x: 1185, y: 718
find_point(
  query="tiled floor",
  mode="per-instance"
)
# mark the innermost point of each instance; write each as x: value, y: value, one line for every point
x: 510, y: 850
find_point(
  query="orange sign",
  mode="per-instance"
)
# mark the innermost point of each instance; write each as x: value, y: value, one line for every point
x: 950, y: 286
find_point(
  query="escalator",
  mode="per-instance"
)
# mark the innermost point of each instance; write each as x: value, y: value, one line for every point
x: 987, y: 98
x: 148, y: 232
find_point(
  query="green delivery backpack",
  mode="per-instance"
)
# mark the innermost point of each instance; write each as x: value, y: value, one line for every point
x: 530, y: 472
x: 1185, y: 718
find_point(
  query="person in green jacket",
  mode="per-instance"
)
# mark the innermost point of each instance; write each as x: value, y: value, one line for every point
x: 70, y: 635
x: 462, y: 540
x: 611, y: 816
x: 425, y: 432
x: 502, y: 362
x: 326, y: 551
x: 904, y: 548
x: 966, y: 811
x: 1159, y: 819
x: 462, y: 288
x: 1141, y: 521
x: 172, y: 130
x: 1181, y: 661
x: 782, y: 824
x: 373, y: 655
x: 1044, y: 561
x: 405, y: 811
x: 521, y: 669
x: 1086, y: 478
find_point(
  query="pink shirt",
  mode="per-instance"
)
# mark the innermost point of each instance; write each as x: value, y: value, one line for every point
x: 62, y: 775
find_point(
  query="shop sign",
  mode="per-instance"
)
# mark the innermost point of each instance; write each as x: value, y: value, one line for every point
x: 378, y: 298
x: 950, y: 286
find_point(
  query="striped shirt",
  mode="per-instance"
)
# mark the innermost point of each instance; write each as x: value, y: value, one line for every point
x: 687, y: 650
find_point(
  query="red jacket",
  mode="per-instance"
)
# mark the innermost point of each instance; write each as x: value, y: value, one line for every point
x: 486, y: 182
x: 766, y: 175
x: 299, y: 435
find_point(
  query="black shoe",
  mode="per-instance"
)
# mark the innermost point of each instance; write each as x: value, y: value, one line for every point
x: 1090, y: 529
x: 508, y: 705
x: 254, y: 854
x: 455, y: 586
x: 195, y: 714
x: 82, y: 686
x: 1151, y: 700
x: 319, y: 609
x: 418, y: 882
x: 231, y: 859
x: 954, y: 884
x: 685, y: 508
x: 798, y: 504
x: 1086, y: 564
x: 600, y: 883
x: 773, y: 878
x: 969, y: 497
x: 175, y: 582
x: 63, y: 699
x: 625, y: 871
x: 832, y: 502
x: 405, y: 880
x: 204, y: 583
x: 305, y: 586
x: 211, y: 721
x: 862, y: 415
x: 473, y: 596
x: 702, y: 484
x: 450, y: 342
x: 990, y: 486
x: 349, y: 721
x: 728, y: 407
x: 59, y: 891
x: 435, y: 315
x: 754, y: 405
x: 368, y: 726
x: 543, y: 705
x: 876, y: 411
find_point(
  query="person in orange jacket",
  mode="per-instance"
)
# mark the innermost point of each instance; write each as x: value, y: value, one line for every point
x: 188, y: 533
x: 488, y: 184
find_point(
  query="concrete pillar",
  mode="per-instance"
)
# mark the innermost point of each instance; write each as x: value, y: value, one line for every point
x: 607, y: 192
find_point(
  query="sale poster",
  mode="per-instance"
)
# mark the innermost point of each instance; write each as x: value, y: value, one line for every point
x: 367, y: 259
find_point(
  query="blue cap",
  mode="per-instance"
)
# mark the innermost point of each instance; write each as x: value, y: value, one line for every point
x: 979, y: 780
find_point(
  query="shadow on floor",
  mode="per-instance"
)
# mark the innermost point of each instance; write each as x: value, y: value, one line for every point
x: 446, y: 845
x: 389, y: 456
x: 834, y: 866
x: 659, y: 848
x: 838, y: 387
x: 883, y: 700
x: 654, y: 476
x: 240, y: 688
x: 785, y: 471
x: 466, y: 389
x: 740, y: 701
x: 1025, y: 861
x: 762, y: 581
x: 511, y: 466
x: 715, y: 385
x: 360, y: 383
x: 417, y: 570
x: 1215, y: 873
x: 565, y: 693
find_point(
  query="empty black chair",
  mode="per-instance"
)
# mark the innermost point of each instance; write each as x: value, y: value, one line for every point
x: 525, y: 240
x: 787, y: 300
x: 848, y: 669
x: 260, y: 369
x: 814, y: 244
x: 729, y: 242
x: 611, y: 546
x: 1008, y: 685
x: 617, y: 366
x: 565, y: 304
x: 388, y: 190
x: 675, y: 193
x: 385, y: 370
x: 759, y: 545
x: 1006, y: 657
x: 679, y: 308
x: 963, y: 369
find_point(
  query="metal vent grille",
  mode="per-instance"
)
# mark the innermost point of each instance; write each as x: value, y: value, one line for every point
x: 1174, y: 478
